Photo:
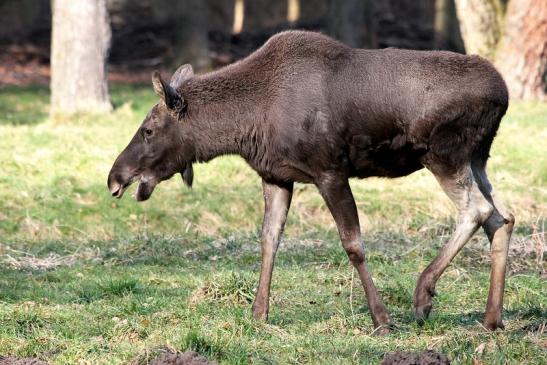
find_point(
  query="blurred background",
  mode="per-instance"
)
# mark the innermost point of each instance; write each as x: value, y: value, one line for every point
x: 87, y: 279
x: 138, y: 35
x: 210, y: 33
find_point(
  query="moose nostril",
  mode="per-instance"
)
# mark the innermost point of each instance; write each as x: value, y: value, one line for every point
x: 115, y: 192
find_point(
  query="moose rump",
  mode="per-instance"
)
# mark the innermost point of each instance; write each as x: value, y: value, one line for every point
x: 403, y: 109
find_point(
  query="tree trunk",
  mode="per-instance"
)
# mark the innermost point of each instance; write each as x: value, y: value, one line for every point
x: 80, y: 41
x: 522, y: 54
x: 293, y: 11
x: 264, y: 14
x: 352, y: 22
x: 440, y: 39
x: 192, y: 41
x: 480, y: 25
x: 519, y: 50
x: 447, y: 30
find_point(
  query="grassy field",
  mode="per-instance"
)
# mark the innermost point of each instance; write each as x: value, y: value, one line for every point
x: 85, y: 279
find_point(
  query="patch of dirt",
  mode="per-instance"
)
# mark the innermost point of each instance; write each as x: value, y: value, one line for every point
x: 428, y: 357
x: 8, y: 360
x: 184, y: 358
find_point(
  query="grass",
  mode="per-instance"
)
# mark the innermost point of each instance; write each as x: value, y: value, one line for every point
x: 90, y: 280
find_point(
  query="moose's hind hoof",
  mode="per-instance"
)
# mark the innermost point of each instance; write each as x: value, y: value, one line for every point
x: 421, y: 313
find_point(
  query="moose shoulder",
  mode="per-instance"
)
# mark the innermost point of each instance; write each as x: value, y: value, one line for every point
x: 306, y: 108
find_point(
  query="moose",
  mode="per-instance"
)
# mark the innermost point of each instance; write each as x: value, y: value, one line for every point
x: 306, y: 108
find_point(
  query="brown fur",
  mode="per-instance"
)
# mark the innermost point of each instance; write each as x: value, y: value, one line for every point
x: 303, y: 97
x: 306, y: 108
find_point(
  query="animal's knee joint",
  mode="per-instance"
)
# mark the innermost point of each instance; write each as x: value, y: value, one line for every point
x: 509, y: 220
x: 479, y: 213
x: 355, y: 253
x: 356, y: 258
x: 484, y: 211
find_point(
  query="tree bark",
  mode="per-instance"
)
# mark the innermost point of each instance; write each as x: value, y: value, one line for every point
x: 352, y: 22
x: 480, y: 25
x: 447, y: 30
x: 519, y: 49
x: 293, y: 11
x: 80, y: 41
x: 192, y: 41
x: 260, y: 14
x: 522, y: 54
x: 440, y: 40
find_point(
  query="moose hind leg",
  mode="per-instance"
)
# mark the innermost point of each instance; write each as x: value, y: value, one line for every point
x: 473, y: 210
x: 498, y: 228
x: 337, y: 194
x: 277, y: 200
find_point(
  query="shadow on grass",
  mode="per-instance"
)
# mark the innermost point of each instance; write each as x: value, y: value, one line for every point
x: 440, y: 321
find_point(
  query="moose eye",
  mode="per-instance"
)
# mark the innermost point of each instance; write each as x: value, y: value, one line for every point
x: 147, y: 132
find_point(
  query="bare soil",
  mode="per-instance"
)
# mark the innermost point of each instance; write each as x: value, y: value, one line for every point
x: 8, y: 360
x: 184, y: 358
x: 428, y: 357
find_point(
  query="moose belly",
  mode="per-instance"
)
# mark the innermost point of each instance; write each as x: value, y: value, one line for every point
x: 390, y: 158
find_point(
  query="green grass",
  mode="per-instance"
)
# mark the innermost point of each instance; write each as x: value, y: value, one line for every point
x: 88, y: 279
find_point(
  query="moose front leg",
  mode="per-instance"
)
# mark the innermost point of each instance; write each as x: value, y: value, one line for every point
x: 277, y: 200
x: 337, y: 194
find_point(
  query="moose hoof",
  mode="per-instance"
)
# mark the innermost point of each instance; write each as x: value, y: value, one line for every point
x: 423, y: 302
x: 382, y: 331
x: 421, y: 313
x: 492, y: 325
x: 260, y: 313
x: 385, y: 329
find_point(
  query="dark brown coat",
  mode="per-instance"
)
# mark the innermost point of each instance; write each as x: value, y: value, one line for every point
x: 306, y: 108
x: 304, y: 103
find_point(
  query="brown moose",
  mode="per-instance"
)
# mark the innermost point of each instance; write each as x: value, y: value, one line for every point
x: 306, y: 108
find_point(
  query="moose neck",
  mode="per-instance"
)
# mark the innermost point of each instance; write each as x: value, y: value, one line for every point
x: 224, y: 111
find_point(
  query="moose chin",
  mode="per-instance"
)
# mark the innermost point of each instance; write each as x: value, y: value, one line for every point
x: 305, y: 108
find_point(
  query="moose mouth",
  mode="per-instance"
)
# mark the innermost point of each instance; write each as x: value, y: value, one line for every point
x: 144, y: 188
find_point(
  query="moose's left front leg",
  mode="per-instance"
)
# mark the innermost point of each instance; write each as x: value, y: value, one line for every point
x: 277, y: 200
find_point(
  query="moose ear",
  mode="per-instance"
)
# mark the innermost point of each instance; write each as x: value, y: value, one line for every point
x: 183, y: 73
x: 188, y: 174
x: 166, y: 92
x: 159, y: 86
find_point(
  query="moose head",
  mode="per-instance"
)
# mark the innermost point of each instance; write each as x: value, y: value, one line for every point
x: 162, y: 145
